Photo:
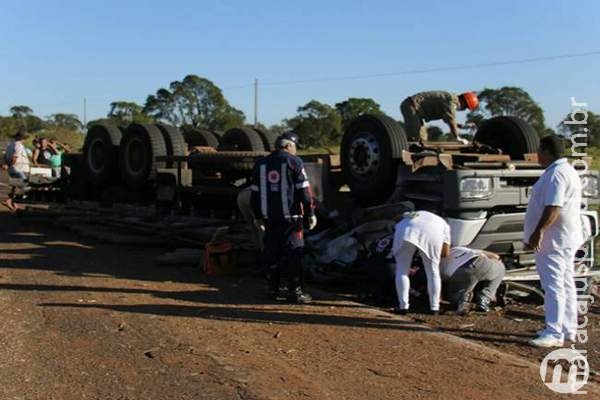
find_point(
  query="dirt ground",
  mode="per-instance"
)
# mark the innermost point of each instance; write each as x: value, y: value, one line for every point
x: 85, y: 320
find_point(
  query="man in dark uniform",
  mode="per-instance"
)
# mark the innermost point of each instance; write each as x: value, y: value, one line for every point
x: 281, y: 196
x: 433, y: 105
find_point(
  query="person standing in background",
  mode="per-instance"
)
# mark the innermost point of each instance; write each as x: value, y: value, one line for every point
x: 17, y: 162
x: 281, y: 197
x: 553, y: 230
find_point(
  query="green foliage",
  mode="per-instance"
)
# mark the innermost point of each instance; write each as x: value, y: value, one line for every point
x: 317, y: 124
x: 110, y: 121
x: 70, y: 137
x: 195, y: 102
x: 61, y: 126
x: 126, y: 112
x: 592, y: 124
x: 278, y: 129
x: 9, y: 126
x: 512, y: 101
x: 594, y: 152
x: 20, y: 111
x: 68, y: 121
x: 355, y: 107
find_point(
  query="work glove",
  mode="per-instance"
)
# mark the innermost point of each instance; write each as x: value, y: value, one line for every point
x: 312, y: 222
x: 259, y: 224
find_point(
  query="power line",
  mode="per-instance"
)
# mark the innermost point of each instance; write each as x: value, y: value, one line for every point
x: 437, y: 69
x: 379, y: 75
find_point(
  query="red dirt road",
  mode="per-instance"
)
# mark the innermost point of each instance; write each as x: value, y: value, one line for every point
x: 84, y: 320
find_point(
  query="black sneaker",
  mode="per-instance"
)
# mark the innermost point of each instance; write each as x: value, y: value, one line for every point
x: 400, y: 311
x: 482, y: 306
x: 433, y: 312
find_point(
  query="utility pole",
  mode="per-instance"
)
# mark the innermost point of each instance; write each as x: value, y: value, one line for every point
x: 84, y: 112
x: 256, y: 103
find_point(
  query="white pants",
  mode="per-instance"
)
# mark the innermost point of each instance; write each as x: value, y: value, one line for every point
x: 556, y: 270
x: 404, y: 258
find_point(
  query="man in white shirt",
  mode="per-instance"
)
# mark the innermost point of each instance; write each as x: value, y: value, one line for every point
x: 428, y: 234
x: 553, y: 229
x: 466, y: 268
x: 17, y: 160
x: 16, y: 157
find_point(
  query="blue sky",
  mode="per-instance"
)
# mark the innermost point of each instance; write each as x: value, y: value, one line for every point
x: 55, y: 53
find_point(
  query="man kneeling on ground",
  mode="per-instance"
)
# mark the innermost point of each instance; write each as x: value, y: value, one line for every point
x: 467, y: 268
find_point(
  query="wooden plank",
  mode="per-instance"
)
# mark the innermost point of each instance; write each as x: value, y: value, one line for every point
x: 470, y: 157
x: 446, y: 145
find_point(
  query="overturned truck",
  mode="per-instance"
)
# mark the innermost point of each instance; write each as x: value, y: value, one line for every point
x: 481, y: 188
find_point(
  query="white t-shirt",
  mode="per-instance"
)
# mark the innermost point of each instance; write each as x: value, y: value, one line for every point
x: 17, y: 149
x: 560, y: 186
x: 425, y: 230
x: 458, y: 256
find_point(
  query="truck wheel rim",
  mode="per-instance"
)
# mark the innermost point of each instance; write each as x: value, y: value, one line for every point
x: 364, y: 155
x: 96, y: 156
x: 136, y: 156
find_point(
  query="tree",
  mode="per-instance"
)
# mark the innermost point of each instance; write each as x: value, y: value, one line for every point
x: 68, y: 121
x: 592, y: 124
x: 278, y: 129
x: 354, y: 107
x: 23, y: 115
x: 9, y: 126
x: 508, y: 100
x: 195, y: 102
x: 317, y: 124
x: 126, y: 112
x: 20, y: 111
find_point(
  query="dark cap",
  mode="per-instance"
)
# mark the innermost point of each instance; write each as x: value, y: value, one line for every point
x: 288, y: 136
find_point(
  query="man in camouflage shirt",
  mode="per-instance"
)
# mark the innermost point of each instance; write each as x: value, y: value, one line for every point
x: 434, y: 105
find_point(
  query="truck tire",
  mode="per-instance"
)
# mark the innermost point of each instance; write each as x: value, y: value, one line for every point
x: 173, y: 141
x: 371, y: 147
x: 241, y: 139
x: 513, y: 135
x: 100, y: 152
x: 268, y: 138
x: 137, y: 155
x: 201, y: 138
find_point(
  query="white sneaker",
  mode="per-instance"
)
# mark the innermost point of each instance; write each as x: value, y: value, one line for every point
x: 546, y: 341
x: 462, y: 140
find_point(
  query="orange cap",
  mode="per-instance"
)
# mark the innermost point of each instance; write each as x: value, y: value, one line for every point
x: 471, y: 100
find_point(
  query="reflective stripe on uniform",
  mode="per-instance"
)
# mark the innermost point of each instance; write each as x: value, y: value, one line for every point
x: 284, y: 192
x: 302, y: 185
x: 263, y: 190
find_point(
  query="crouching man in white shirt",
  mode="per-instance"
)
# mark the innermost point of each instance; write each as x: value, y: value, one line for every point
x: 467, y: 268
x: 553, y: 229
x: 428, y: 234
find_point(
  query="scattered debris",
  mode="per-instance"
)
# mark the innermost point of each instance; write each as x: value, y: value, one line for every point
x: 151, y: 353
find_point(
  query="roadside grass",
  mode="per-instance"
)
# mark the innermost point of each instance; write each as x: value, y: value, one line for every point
x: 334, y: 149
x: 594, y: 152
